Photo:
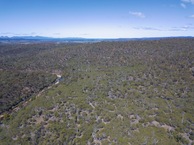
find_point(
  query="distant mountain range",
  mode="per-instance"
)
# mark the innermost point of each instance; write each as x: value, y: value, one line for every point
x: 34, y: 38
x: 42, y: 38
x: 78, y: 39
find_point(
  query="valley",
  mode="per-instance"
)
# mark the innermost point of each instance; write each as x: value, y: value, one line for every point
x: 110, y: 92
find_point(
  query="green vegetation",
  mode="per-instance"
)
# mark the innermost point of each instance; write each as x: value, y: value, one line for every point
x: 135, y: 92
x: 18, y: 86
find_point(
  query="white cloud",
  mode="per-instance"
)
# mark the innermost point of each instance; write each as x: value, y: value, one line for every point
x: 188, y: 1
x: 192, y: 16
x: 188, y: 27
x: 183, y: 5
x: 148, y: 28
x: 137, y: 14
x: 57, y: 34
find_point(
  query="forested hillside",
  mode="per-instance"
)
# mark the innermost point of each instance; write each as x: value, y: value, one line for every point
x: 131, y: 92
x: 18, y: 80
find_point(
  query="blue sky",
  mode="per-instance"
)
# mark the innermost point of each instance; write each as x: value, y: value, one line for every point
x: 97, y: 18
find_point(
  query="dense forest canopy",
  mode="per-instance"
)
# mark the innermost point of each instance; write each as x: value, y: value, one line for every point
x: 129, y: 92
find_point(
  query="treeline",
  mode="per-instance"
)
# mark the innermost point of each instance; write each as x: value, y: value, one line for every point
x: 52, y: 56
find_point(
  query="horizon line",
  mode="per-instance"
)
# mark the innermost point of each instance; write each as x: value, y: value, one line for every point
x: 51, y: 37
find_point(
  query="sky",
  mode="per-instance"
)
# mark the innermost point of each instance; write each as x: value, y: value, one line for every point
x: 97, y: 18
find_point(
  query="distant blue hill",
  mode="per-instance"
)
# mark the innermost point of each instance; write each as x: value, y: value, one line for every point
x: 77, y: 39
x: 42, y: 38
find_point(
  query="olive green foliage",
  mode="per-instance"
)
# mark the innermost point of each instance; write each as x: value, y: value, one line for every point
x: 18, y: 86
x: 135, y: 92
